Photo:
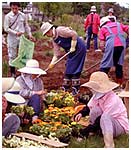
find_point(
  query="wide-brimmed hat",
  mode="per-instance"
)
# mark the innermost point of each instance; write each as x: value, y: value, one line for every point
x: 123, y: 94
x: 32, y: 67
x: 104, y: 20
x: 7, y: 83
x: 100, y: 82
x: 10, y: 91
x: 111, y: 10
x: 46, y: 26
x: 93, y: 9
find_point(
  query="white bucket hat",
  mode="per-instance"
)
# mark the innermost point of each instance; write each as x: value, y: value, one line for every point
x: 7, y: 83
x: 100, y: 82
x: 111, y: 10
x: 93, y: 9
x: 10, y: 91
x: 32, y: 67
x: 46, y: 26
x: 104, y: 20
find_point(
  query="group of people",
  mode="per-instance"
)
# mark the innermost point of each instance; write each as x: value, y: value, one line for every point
x: 104, y: 104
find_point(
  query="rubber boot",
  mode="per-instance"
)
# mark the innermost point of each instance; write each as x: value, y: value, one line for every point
x: 75, y: 86
x: 12, y: 71
x: 108, y: 140
x: 66, y: 85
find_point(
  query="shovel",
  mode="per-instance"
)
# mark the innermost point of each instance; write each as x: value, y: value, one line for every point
x: 57, y: 62
x: 59, y: 59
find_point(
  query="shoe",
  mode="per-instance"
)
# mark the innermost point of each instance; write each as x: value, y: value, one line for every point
x: 98, y: 50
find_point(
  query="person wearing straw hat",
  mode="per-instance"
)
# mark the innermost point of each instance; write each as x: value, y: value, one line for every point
x: 91, y: 26
x: 110, y: 15
x: 32, y: 88
x: 106, y: 105
x: 113, y: 44
x: 10, y: 121
x: 68, y: 39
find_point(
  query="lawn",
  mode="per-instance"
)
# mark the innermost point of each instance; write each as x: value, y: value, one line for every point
x: 97, y: 142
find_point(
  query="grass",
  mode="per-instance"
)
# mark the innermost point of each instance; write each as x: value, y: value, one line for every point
x: 97, y: 142
x: 5, y: 68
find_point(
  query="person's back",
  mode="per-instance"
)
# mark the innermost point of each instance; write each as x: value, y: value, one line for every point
x: 91, y: 26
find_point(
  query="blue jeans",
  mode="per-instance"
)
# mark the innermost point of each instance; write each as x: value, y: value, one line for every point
x: 89, y: 34
x: 34, y: 102
x: 10, y: 125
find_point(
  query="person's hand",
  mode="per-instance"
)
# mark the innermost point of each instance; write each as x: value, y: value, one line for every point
x: 77, y: 117
x: 32, y: 38
x: 41, y: 92
x: 19, y: 33
x: 73, y: 46
x: 51, y: 66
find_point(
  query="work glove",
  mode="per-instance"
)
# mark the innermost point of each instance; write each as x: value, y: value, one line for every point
x: 73, y: 46
x: 51, y: 66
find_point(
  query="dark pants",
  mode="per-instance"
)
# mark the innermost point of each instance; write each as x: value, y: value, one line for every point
x: 10, y: 125
x: 118, y: 68
x: 89, y: 35
x: 34, y: 102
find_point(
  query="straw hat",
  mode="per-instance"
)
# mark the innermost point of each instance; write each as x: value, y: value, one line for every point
x: 7, y: 83
x: 93, y: 9
x: 8, y: 90
x: 32, y: 67
x: 104, y: 20
x: 46, y: 26
x: 111, y: 10
x: 123, y: 94
x: 100, y: 82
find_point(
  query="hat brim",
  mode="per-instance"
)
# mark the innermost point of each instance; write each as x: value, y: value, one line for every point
x: 47, y: 29
x: 123, y: 94
x: 101, y: 88
x: 7, y: 83
x: 14, y: 98
x: 32, y: 70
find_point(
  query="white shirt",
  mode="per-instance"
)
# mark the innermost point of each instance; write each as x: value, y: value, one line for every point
x: 20, y: 25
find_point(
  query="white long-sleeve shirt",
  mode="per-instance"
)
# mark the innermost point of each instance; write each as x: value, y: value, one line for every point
x: 20, y: 25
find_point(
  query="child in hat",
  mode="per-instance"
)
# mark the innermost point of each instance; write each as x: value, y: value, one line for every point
x: 32, y: 88
x: 105, y: 108
x: 10, y: 122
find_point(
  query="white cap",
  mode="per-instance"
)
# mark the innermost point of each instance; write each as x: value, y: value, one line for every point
x: 46, y: 26
x: 93, y: 9
x: 104, y: 20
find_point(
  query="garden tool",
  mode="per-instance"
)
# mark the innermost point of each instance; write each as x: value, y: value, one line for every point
x: 59, y: 59
x: 97, y: 63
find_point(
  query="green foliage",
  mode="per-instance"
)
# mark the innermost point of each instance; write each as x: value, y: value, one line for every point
x: 4, y: 68
x: 97, y: 142
x: 76, y: 22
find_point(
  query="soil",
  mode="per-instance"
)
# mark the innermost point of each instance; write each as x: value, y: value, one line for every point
x: 54, y: 77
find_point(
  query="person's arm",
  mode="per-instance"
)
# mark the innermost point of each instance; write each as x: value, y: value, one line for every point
x: 102, y: 39
x: 6, y: 26
x: 27, y: 27
x: 68, y: 32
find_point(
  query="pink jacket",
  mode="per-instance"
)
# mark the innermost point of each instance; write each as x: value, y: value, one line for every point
x: 111, y: 103
x: 104, y: 32
x: 96, y: 22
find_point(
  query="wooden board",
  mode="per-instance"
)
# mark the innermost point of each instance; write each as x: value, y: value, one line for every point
x: 46, y: 141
